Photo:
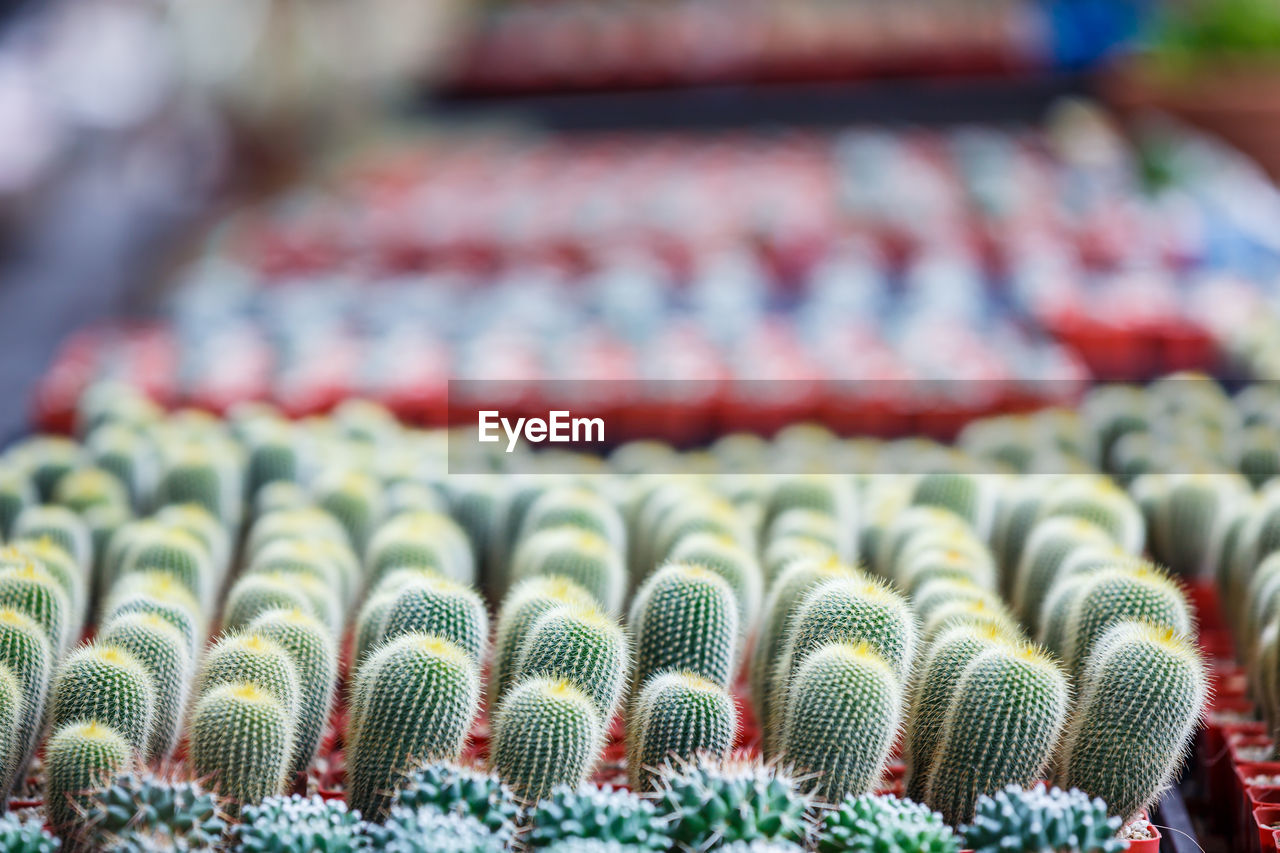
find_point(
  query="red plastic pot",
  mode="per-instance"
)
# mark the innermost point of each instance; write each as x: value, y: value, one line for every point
x: 1147, y: 845
x: 1264, y: 817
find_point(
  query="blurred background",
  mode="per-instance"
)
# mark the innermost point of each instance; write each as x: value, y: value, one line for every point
x: 305, y: 200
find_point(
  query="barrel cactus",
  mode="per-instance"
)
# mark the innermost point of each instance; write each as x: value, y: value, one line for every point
x: 1015, y: 820
x: 678, y: 715
x: 685, y: 618
x: 298, y: 824
x: 162, y: 650
x: 873, y: 823
x: 79, y: 758
x: 583, y: 646
x: 241, y: 739
x: 546, y: 733
x: 522, y: 606
x: 586, y: 811
x: 100, y: 682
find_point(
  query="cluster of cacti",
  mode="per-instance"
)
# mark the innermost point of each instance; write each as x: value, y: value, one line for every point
x: 850, y: 614
x: 142, y: 812
x: 1017, y: 820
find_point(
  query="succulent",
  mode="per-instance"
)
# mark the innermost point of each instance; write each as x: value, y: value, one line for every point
x: 736, y: 564
x: 201, y: 523
x: 133, y: 811
x: 79, y: 758
x: 61, y: 526
x: 1007, y: 711
x: 315, y: 657
x: 970, y: 496
x: 247, y: 657
x: 163, y: 652
x: 252, y: 595
x: 1050, y: 543
x: 680, y: 715
x: 126, y: 454
x: 710, y: 515
x: 1099, y: 502
x: 711, y: 803
x: 46, y: 458
x: 780, y: 553
x: 414, y: 700
x: 272, y: 458
x: 321, y: 560
x: 16, y: 494
x: 1055, y: 616
x: 201, y: 475
x: 280, y: 496
x: 525, y: 602
x: 1141, y: 697
x: 590, y: 812
x: 421, y: 539
x: 100, y: 682
x: 449, y: 787
x: 1188, y: 519
x: 1141, y: 593
x: 908, y: 526
x: 685, y: 619
x: 26, y: 835
x: 355, y: 500
x: 59, y: 565
x: 884, y: 824
x: 24, y: 652
x: 174, y: 611
x: 38, y: 594
x: 1031, y: 821
x: 442, y: 608
x: 833, y: 497
x: 304, y: 523
x: 575, y: 507
x: 546, y: 733
x: 175, y: 552
x: 297, y: 824
x: 84, y: 488
x: 582, y: 556
x: 241, y: 737
x: 583, y: 646
x: 842, y: 610
x: 428, y: 830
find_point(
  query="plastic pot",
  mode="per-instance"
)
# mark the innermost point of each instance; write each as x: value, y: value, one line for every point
x: 1264, y: 818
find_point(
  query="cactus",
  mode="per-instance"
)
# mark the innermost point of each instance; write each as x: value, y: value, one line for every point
x: 174, y: 611
x: 1141, y: 697
x: 581, y: 556
x: 16, y: 494
x: 247, y: 657
x: 175, y: 552
x: 576, y: 507
x: 715, y: 516
x: 427, y: 830
x: 89, y: 487
x: 61, y: 526
x: 201, y: 475
x: 1007, y: 711
x: 1018, y: 511
x: 678, y: 714
x: 451, y: 788
x: 686, y: 619
x: 205, y: 526
x: 272, y: 458
x: 546, y: 733
x: 281, y: 496
x: 104, y: 683
x: 46, y: 458
x: 941, y: 592
x: 329, y: 562
x: 1188, y: 519
x: 308, y: 523
x: 809, y: 524
x: 930, y: 558
x: 442, y: 608
x: 137, y: 813
x: 784, y: 599
x: 736, y: 564
x: 523, y: 605
x: 300, y: 825
x: 79, y: 758
x: 421, y: 539
x: 13, y: 711
x: 590, y: 812
x: 1055, y: 616
x: 102, y: 523
x: 241, y: 738
x: 38, y: 594
x: 1051, y: 542
x: 584, y: 647
x: 414, y: 700
x: 908, y: 525
x: 1129, y: 594
x: 127, y: 455
x: 255, y: 594
x: 1099, y: 502
x: 409, y: 497
x: 781, y: 553
x: 163, y: 651
x: 970, y: 496
x: 1256, y: 456
x: 1031, y: 821
x: 884, y: 824
x: 833, y: 497
x: 713, y: 804
x: 355, y: 500
x: 315, y: 657
x: 60, y: 565
x: 26, y: 835
x: 25, y: 652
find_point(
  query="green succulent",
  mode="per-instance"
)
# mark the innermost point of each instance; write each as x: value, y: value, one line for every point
x: 590, y: 812
x: 453, y: 788
x: 874, y: 823
x: 298, y: 824
x: 711, y: 803
x: 428, y: 830
x: 133, y: 810
x: 25, y: 835
x: 1033, y: 821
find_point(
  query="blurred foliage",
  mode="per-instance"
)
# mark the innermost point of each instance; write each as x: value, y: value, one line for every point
x: 1188, y: 33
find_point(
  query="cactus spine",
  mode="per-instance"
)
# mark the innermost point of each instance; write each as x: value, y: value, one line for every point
x: 842, y: 717
x: 526, y: 601
x: 79, y: 758
x: 680, y: 715
x: 36, y: 593
x: 250, y: 658
x: 241, y: 737
x: 583, y: 646
x: 24, y: 651
x: 161, y: 649
x: 442, y: 608
x: 546, y: 733
x: 1141, y: 593
x: 1006, y: 714
x: 685, y: 619
x: 104, y: 683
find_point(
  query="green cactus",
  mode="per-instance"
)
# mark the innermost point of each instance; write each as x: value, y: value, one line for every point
x: 830, y: 496
x: 736, y: 564
x: 176, y: 552
x: 583, y: 646
x: 443, y: 608
x: 685, y: 618
x: 678, y: 714
x: 546, y: 733
x: 421, y: 539
x: 1031, y: 821
x: 1099, y: 502
x: 16, y: 494
x: 241, y: 738
x: 849, y: 610
x: 930, y: 558
x: 355, y: 500
x: 1055, y: 616
x: 449, y: 787
x: 307, y: 523
x: 1051, y: 542
x: 884, y: 824
x: 153, y: 599
x: 79, y: 758
x: 322, y: 561
x: 280, y: 496
x: 88, y: 487
x: 972, y: 497
x: 409, y: 496
x: 586, y: 811
x: 127, y: 455
x: 1018, y: 511
x: 427, y: 830
x: 26, y: 835
x: 526, y: 601
x: 247, y: 657
x: 1141, y: 698
x: 712, y: 804
x: 46, y: 458
x: 1141, y: 593
x: 584, y: 557
x: 300, y: 825
x: 414, y: 700
x: 255, y: 594
x: 202, y: 475
x: 780, y: 553
x: 941, y: 592
x: 60, y: 525
x: 163, y: 651
x: 205, y: 526
x: 139, y: 813
x: 13, y: 710
x: 978, y: 614
x: 809, y: 524
x: 785, y: 597
x: 103, y: 522
x: 576, y: 507
x: 60, y: 565
x: 1188, y: 519
x: 272, y: 458
x: 315, y: 657
x: 1256, y: 456
x: 103, y: 682
x: 38, y: 594
x: 713, y: 515
x: 842, y: 718
x: 25, y: 652
x: 1007, y: 711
